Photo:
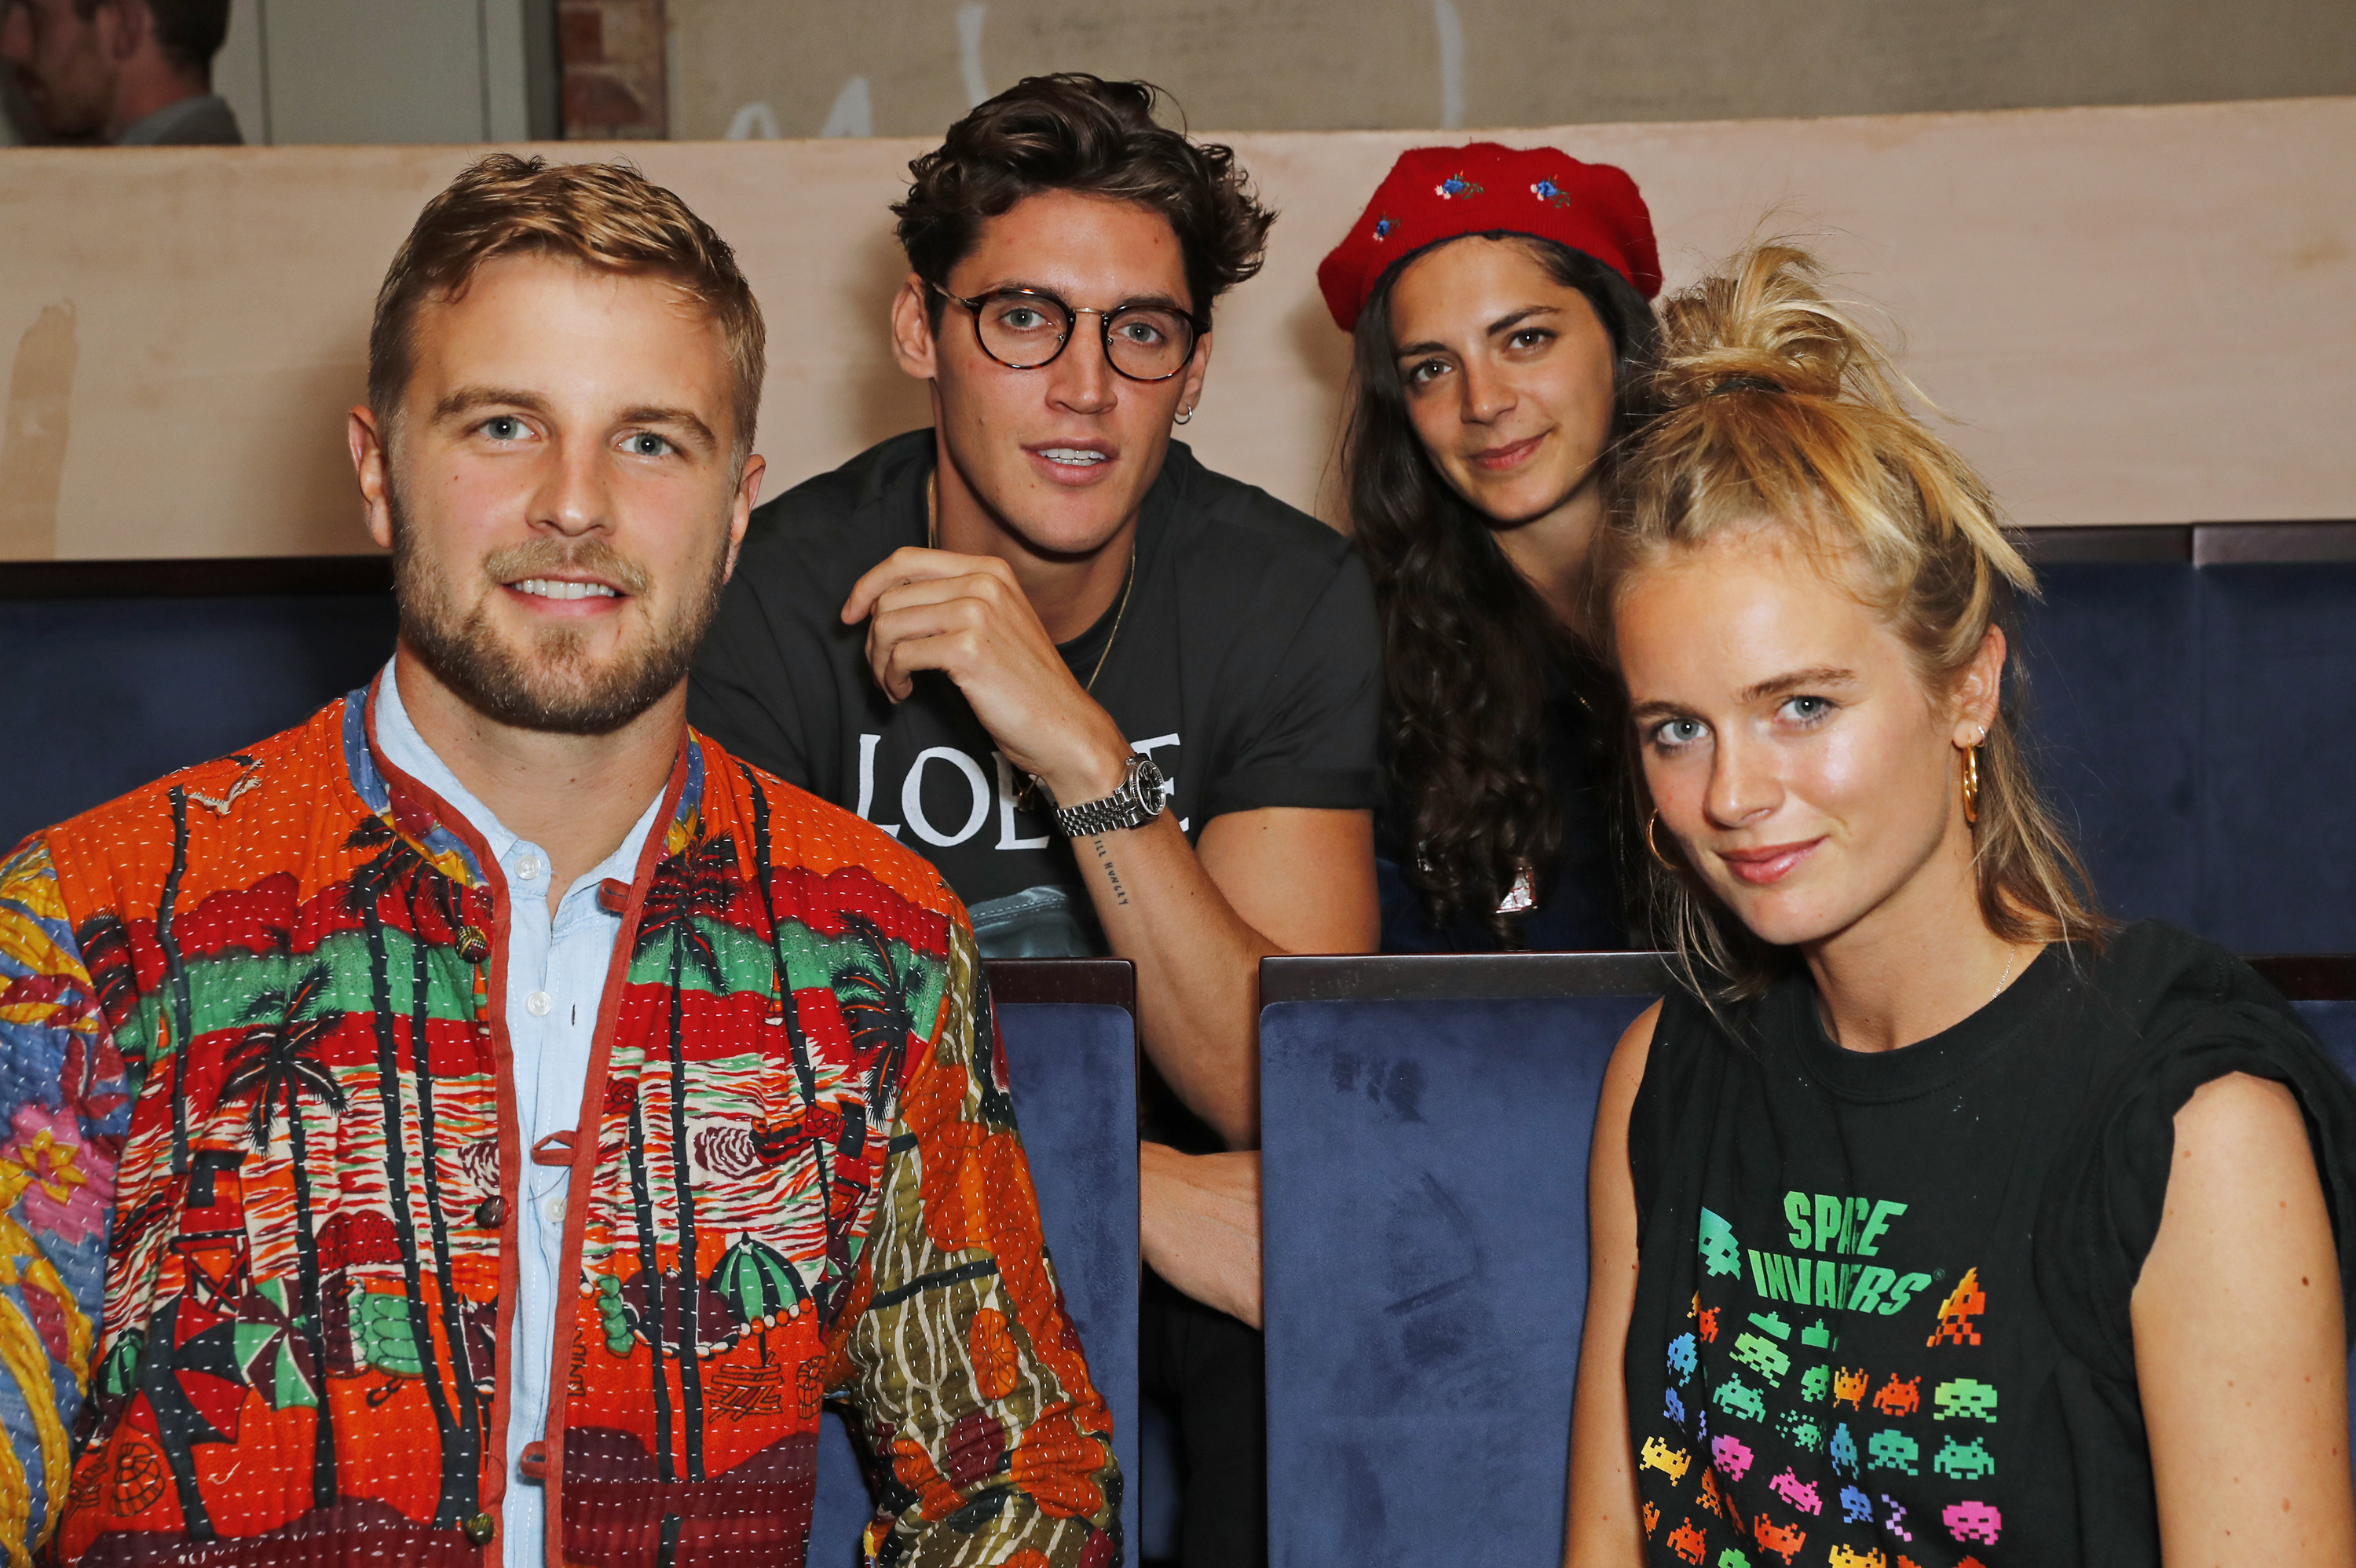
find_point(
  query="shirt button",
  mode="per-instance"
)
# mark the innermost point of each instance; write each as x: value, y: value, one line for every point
x: 528, y: 867
x: 479, y: 1529
x: 537, y: 1004
x: 555, y: 1208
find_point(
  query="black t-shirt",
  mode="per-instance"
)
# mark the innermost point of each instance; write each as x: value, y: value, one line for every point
x: 1882, y: 1300
x: 1579, y: 908
x: 1245, y: 664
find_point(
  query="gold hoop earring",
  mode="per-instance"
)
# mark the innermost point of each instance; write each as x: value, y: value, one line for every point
x: 1653, y: 845
x: 1972, y: 785
x: 1186, y: 414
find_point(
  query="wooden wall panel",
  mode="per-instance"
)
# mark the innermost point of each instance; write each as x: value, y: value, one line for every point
x: 2137, y: 316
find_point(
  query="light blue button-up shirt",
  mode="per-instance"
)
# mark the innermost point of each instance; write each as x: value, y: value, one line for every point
x: 556, y: 978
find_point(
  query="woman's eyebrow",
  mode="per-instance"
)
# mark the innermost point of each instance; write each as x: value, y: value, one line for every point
x: 1778, y: 686
x: 1504, y: 324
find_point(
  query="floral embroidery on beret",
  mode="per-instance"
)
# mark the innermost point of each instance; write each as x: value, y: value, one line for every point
x: 1383, y: 227
x: 1455, y: 186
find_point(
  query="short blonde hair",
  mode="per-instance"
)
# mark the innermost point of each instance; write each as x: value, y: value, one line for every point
x: 1775, y: 406
x: 600, y: 215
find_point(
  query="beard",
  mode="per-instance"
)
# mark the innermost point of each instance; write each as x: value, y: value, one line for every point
x: 550, y: 682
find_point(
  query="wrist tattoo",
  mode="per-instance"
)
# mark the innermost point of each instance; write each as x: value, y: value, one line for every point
x: 1120, y: 894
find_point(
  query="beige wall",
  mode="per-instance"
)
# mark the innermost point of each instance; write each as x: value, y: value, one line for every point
x: 1300, y: 65
x: 2139, y: 315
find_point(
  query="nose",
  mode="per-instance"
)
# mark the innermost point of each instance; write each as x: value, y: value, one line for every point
x: 1743, y: 786
x: 574, y: 495
x: 1485, y: 393
x: 1082, y: 377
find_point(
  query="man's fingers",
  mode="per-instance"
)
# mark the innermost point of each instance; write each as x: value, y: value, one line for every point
x: 895, y: 665
x: 911, y: 565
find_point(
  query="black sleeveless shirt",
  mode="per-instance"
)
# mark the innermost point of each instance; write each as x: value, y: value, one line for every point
x: 1882, y: 1300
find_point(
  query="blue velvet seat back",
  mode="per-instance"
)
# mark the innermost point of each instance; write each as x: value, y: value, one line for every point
x: 2335, y: 1024
x: 1074, y: 1072
x: 103, y: 695
x: 1425, y: 1189
x: 2197, y: 730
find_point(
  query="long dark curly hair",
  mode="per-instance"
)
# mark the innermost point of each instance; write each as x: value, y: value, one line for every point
x: 1466, y: 640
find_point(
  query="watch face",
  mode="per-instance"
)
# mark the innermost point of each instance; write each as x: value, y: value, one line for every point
x: 1145, y: 786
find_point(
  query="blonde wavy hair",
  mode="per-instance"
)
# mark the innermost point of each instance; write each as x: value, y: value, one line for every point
x: 1776, y: 407
x: 608, y: 216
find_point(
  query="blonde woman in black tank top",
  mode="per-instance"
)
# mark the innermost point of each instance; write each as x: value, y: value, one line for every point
x: 1936, y: 1219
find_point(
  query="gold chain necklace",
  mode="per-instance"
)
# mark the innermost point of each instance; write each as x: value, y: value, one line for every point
x: 1128, y: 581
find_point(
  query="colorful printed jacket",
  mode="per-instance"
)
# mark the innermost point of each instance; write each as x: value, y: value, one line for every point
x: 258, y: 1191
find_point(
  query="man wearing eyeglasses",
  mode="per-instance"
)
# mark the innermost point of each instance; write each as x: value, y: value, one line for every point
x: 1045, y: 587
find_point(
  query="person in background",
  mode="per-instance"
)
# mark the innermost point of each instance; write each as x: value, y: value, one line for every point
x: 1933, y: 1218
x: 1502, y: 348
x: 481, y: 1124
x: 135, y: 73
x: 1125, y: 704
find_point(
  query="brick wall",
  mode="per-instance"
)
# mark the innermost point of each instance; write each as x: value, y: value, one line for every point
x: 616, y: 79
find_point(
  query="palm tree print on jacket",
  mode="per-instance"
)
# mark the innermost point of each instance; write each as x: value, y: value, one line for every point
x: 255, y: 1027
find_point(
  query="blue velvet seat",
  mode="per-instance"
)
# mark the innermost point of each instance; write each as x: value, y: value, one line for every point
x: 1425, y: 1191
x: 1071, y: 1056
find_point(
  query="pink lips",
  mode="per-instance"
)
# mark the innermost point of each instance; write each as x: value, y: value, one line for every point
x: 1498, y: 459
x: 1770, y: 864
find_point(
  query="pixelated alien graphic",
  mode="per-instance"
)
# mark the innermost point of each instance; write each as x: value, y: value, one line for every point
x: 1771, y: 1323
x: 1964, y: 1461
x: 1651, y: 1519
x: 1848, y: 1386
x: 1731, y: 1558
x: 1674, y: 1408
x: 1799, y: 1493
x: 1689, y: 1543
x: 1964, y: 1398
x: 1682, y: 1357
x: 1720, y: 1253
x: 1658, y: 1455
x: 1784, y: 1541
x: 1857, y: 1506
x: 1816, y: 1382
x: 1849, y: 1557
x: 1802, y: 1429
x: 1971, y: 1563
x: 1761, y: 1356
x: 1816, y: 1337
x: 1972, y: 1521
x: 1708, y: 1325
x: 1731, y: 1455
x: 1738, y: 1398
x: 1844, y: 1450
x: 1899, y: 1396
x: 1896, y: 1524
x: 1964, y: 1303
x: 1892, y: 1450
x: 1714, y: 1498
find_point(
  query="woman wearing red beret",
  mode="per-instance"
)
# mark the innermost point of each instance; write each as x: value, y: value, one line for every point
x: 1498, y: 300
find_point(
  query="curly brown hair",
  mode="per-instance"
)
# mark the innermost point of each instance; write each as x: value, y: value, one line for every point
x: 1080, y: 132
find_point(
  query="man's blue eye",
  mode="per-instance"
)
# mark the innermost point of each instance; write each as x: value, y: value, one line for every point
x: 1807, y: 709
x: 647, y: 444
x: 503, y: 427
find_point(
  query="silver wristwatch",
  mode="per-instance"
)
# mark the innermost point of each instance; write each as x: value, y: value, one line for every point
x: 1137, y: 801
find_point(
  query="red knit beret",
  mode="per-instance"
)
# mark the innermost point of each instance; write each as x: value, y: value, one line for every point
x: 1438, y: 193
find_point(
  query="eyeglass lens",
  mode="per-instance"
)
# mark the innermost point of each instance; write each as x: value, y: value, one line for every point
x: 1023, y: 331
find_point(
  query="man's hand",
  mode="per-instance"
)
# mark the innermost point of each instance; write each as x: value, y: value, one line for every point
x: 966, y: 616
x: 1199, y: 1225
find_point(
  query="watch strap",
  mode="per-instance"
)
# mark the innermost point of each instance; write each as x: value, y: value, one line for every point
x: 1136, y: 802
